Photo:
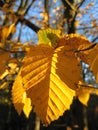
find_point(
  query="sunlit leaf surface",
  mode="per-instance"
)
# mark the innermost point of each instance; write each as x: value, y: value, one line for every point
x: 4, y: 56
x: 46, y: 78
x: 49, y: 36
x: 17, y: 94
x: 50, y: 75
x: 93, y: 61
x: 27, y: 105
x: 84, y: 91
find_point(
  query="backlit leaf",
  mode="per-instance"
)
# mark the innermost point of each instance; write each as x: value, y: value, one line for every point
x: 75, y: 42
x: 50, y: 75
x: 46, y: 77
x: 85, y: 50
x: 4, y: 56
x: 18, y: 94
x: 83, y: 95
x: 4, y: 74
x: 6, y: 31
x: 93, y: 61
x: 84, y: 91
x: 49, y: 36
x: 72, y: 40
x: 27, y: 105
x: 19, y: 97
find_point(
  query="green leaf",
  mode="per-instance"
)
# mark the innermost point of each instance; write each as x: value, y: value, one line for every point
x: 49, y: 36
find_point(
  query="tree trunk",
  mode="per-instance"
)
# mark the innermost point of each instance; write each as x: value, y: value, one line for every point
x: 69, y: 15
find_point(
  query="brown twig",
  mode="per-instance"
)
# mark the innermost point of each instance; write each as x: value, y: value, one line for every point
x: 88, y: 48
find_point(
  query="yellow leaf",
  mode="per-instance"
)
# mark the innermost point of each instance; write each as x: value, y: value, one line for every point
x: 49, y: 36
x: 50, y: 76
x: 6, y: 31
x: 4, y: 74
x: 11, y: 29
x: 4, y: 85
x: 44, y: 58
x: 83, y: 95
x: 76, y: 43
x: 13, y: 68
x: 17, y: 94
x: 84, y: 50
x: 72, y: 40
x: 84, y: 91
x: 4, y: 56
x: 46, y: 75
x: 19, y: 97
x: 93, y: 61
x: 27, y: 105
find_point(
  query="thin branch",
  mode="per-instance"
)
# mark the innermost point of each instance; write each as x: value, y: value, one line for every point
x: 26, y: 3
x: 88, y: 48
x: 88, y: 86
x: 20, y: 31
x: 70, y: 13
x: 81, y: 4
x: 46, y: 8
x: 95, y: 39
x: 89, y: 27
x: 20, y: 5
x: 70, y: 5
x: 29, y: 24
x: 32, y: 2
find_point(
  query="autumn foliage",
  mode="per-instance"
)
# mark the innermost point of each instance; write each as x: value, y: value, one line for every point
x: 50, y: 74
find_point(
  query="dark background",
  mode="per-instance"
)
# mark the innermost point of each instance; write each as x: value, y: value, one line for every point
x: 74, y: 118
